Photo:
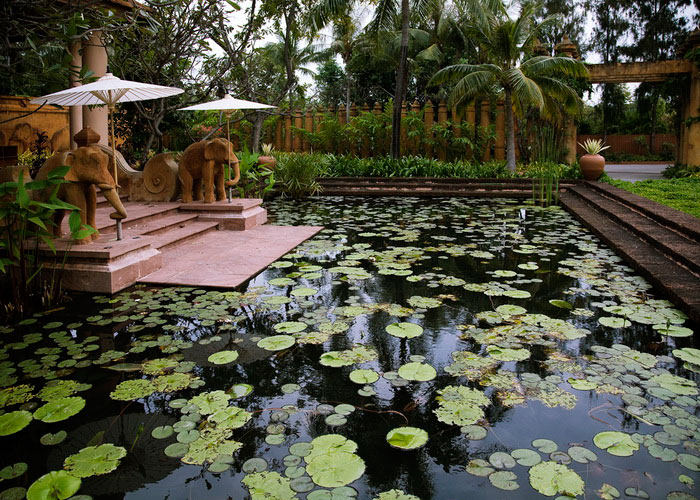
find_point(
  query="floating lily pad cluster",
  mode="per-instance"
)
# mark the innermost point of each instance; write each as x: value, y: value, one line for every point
x: 438, y: 316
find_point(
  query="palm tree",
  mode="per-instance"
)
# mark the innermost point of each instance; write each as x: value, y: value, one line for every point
x: 525, y: 82
x: 385, y: 15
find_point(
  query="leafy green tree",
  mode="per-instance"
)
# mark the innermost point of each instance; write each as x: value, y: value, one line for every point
x: 525, y: 82
x: 169, y: 47
x: 330, y: 83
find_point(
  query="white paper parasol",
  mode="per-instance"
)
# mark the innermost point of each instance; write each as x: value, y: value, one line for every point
x: 108, y: 90
x: 227, y: 105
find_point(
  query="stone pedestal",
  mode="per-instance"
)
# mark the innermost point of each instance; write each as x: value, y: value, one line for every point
x: 238, y: 215
x: 106, y: 265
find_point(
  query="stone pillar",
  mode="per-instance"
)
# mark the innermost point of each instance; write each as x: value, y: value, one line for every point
x: 500, y: 147
x: 570, y: 140
x: 365, y: 142
x: 95, y: 59
x: 341, y: 114
x: 76, y: 112
x: 485, y: 122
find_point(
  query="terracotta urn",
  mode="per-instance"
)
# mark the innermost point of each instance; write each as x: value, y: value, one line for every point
x: 592, y: 166
x: 268, y: 162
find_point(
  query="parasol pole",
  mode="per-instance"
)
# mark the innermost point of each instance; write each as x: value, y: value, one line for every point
x: 228, y: 138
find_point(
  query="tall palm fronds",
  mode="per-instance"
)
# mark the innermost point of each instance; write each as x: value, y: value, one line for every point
x: 505, y: 44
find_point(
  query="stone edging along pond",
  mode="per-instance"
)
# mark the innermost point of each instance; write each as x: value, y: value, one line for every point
x: 659, y: 242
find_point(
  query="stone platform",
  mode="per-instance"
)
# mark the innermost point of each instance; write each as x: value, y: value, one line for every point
x: 218, y: 244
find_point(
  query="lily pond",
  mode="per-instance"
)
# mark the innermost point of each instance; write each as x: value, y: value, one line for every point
x: 430, y: 349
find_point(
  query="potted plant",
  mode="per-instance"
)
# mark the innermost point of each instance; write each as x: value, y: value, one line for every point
x: 266, y: 160
x: 592, y: 163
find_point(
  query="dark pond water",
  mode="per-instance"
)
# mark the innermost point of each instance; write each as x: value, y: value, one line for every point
x: 535, y: 362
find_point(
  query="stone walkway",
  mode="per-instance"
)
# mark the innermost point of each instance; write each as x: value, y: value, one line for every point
x: 635, y: 172
x: 661, y: 243
x: 226, y: 259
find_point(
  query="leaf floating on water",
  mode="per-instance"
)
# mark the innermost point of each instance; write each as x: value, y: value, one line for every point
x: 616, y: 443
x: 290, y: 327
x: 14, y: 421
x: 420, y: 372
x: 59, y: 409
x: 550, y: 478
x: 332, y: 461
x: 407, y: 438
x: 582, y: 455
x: 545, y: 445
x: 223, y: 357
x: 94, y: 460
x: 526, y: 457
x: 393, y: 495
x: 479, y: 467
x: 49, y: 439
x: 504, y: 480
x: 132, y: 389
x: 364, y: 376
x: 460, y: 405
x: 404, y: 330
x: 54, y: 485
x: 13, y: 471
x: 562, y: 304
x: 267, y: 485
x: 675, y: 384
x: 276, y: 342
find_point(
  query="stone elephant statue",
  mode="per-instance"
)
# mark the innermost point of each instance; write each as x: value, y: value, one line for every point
x: 89, y: 170
x: 202, y: 165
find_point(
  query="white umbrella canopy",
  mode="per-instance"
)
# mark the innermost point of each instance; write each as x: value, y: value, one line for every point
x: 227, y: 104
x: 107, y: 90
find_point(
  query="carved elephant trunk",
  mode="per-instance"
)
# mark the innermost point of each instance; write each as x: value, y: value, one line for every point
x: 112, y: 196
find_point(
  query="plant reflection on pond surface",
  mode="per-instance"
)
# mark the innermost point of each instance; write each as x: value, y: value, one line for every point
x: 440, y: 348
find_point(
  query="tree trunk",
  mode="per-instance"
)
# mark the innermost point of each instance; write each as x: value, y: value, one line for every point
x: 257, y: 131
x: 347, y: 98
x: 401, y: 83
x: 510, y: 131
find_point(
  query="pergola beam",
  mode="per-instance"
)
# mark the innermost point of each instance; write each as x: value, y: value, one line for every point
x: 638, y: 71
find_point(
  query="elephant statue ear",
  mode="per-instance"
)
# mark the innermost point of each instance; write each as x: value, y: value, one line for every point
x: 210, y: 149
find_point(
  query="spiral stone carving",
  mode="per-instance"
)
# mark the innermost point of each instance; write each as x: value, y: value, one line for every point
x: 160, y: 177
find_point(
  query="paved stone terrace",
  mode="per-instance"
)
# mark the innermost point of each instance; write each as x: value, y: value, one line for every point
x: 226, y: 259
x: 661, y: 243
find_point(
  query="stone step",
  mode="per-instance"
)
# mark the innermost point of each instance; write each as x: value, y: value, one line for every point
x: 669, y: 241
x: 162, y: 224
x: 673, y: 279
x: 183, y: 234
x: 139, y: 214
x: 684, y: 223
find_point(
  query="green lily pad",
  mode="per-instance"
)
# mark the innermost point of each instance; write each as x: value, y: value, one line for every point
x: 551, y: 478
x: 582, y: 384
x: 673, y: 330
x: 504, y: 480
x: 385, y: 495
x: 407, y: 438
x: 502, y: 460
x: 132, y: 389
x: 582, y: 455
x: 267, y: 485
x: 545, y: 445
x: 56, y: 485
x: 479, y: 467
x: 253, y: 465
x: 526, y: 457
x: 290, y: 327
x: 15, y: 493
x: 49, y: 439
x: 675, y: 384
x: 616, y: 443
x: 14, y: 421
x: 614, y: 322
x: 210, y: 402
x: 276, y: 342
x: 510, y: 310
x: 59, y: 409
x: 230, y: 417
x: 223, y: 357
x: 162, y: 432
x: 507, y: 354
x: 364, y: 376
x: 239, y: 390
x: 404, y: 330
x: 334, y: 468
x: 562, y: 304
x: 420, y: 372
x: 689, y: 461
x: 177, y: 450
x: 94, y: 460
x: 13, y: 471
x: 304, y: 292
